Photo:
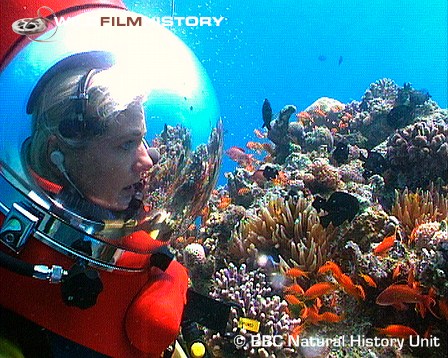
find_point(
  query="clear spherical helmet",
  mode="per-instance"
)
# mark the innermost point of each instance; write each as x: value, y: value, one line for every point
x: 111, y: 142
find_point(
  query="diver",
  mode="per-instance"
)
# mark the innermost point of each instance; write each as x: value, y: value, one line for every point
x: 87, y: 147
x: 88, y: 153
x: 92, y: 191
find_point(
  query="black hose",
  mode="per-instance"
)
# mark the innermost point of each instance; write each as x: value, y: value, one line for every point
x: 15, y: 265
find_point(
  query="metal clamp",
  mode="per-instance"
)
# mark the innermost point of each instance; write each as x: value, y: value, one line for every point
x: 18, y: 226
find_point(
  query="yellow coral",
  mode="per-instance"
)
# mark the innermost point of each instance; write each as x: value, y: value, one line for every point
x: 413, y: 209
x: 291, y: 227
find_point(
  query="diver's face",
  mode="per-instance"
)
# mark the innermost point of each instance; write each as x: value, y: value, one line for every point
x: 109, y: 167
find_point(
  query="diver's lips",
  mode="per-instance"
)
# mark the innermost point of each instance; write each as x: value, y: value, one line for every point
x: 135, y: 186
x: 129, y: 187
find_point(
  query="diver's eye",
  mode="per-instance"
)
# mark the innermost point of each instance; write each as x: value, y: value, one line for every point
x: 130, y: 144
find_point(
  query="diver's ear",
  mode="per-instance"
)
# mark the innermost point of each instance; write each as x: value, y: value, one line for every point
x: 52, y: 144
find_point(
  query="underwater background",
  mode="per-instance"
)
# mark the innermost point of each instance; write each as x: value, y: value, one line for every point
x: 289, y: 51
x: 329, y: 222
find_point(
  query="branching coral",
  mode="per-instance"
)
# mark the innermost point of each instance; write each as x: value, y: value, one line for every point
x: 412, y: 209
x: 384, y: 89
x: 290, y: 227
x: 251, y: 291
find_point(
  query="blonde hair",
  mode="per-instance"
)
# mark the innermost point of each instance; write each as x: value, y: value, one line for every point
x: 56, y: 104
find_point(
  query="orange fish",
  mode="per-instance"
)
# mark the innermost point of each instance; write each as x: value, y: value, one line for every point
x: 310, y: 313
x: 349, y: 287
x: 369, y: 280
x: 331, y: 317
x: 428, y: 331
x: 292, y: 300
x: 297, y: 330
x: 398, y: 295
x: 254, y: 146
x: 304, y: 313
x: 356, y: 291
x: 319, y: 112
x: 243, y: 191
x: 397, y: 271
x: 259, y: 134
x: 331, y: 266
x: 295, y: 272
x: 281, y: 179
x: 412, y: 282
x: 397, y: 330
x: 224, y: 202
x: 294, y: 289
x: 239, y: 155
x: 319, y: 289
x: 344, y: 280
x: 205, y: 211
x: 268, y: 148
x: 315, y: 317
x: 386, y: 244
x: 413, y: 235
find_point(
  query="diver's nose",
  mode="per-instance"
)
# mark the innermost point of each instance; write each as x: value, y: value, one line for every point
x: 144, y: 160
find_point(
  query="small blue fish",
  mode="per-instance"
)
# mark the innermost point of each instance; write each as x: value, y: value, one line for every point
x: 322, y: 58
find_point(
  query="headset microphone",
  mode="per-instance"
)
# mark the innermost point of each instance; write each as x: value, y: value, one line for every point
x: 154, y: 154
x: 57, y: 158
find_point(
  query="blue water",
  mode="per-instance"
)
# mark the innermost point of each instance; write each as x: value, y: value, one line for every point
x: 288, y: 51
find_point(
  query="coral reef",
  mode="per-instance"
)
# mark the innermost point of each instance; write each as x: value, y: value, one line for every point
x: 279, y: 133
x: 300, y: 279
x: 433, y: 268
x: 322, y: 177
x: 316, y: 138
x: 418, y: 154
x: 287, y: 228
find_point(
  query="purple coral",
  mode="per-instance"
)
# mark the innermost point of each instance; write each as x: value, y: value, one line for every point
x: 251, y: 290
x: 419, y: 153
x: 384, y: 89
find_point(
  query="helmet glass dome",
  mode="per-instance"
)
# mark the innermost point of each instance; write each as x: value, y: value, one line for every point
x: 125, y: 153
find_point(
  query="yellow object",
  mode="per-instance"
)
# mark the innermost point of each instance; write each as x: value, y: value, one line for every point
x: 249, y: 324
x: 9, y: 349
x: 197, y: 350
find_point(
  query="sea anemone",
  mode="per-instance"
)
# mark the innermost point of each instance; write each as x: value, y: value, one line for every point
x: 289, y: 227
x: 412, y: 209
